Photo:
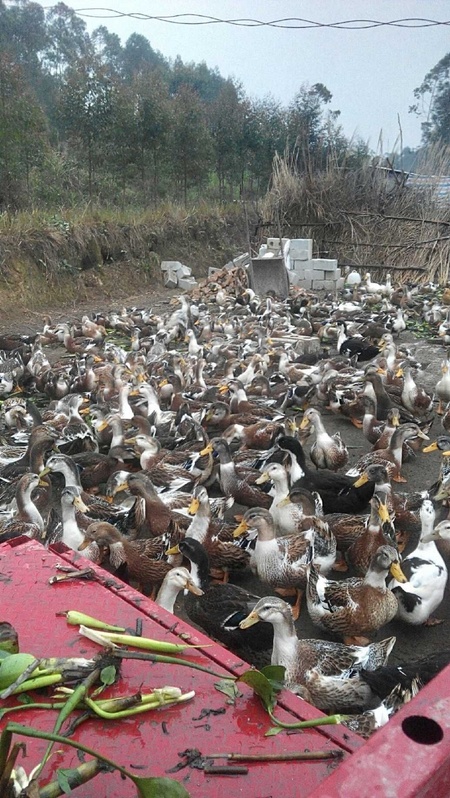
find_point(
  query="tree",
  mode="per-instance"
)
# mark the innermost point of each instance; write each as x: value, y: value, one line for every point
x: 226, y: 115
x: 68, y: 40
x: 191, y: 144
x: 153, y: 119
x: 23, y: 133
x: 139, y: 56
x: 265, y: 134
x: 434, y: 96
x: 206, y: 82
x: 86, y: 110
x: 108, y: 49
x: 307, y: 125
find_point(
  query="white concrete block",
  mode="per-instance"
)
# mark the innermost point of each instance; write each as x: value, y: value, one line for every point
x: 186, y: 283
x: 184, y: 271
x: 332, y: 274
x: 213, y: 270
x: 294, y: 278
x: 301, y: 266
x: 170, y: 278
x: 340, y: 283
x: 327, y: 264
x: 167, y: 265
x: 301, y: 248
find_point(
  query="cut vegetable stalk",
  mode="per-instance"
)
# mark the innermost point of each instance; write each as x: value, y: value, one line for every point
x: 81, y: 619
x: 146, y: 643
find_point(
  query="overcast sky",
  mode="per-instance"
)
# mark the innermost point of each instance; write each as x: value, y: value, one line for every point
x: 371, y: 74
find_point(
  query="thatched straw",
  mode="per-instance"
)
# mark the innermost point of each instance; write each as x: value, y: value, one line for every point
x: 364, y: 218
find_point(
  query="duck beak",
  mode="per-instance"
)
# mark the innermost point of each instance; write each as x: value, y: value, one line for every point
x: 397, y: 572
x: 361, y: 480
x: 44, y: 472
x: 207, y: 450
x: 383, y: 513
x: 241, y: 529
x: 196, y: 591
x: 250, y: 620
x: 399, y: 372
x: 83, y: 545
x: 422, y: 435
x: 304, y: 423
x: 284, y: 502
x: 193, y: 507
x: 432, y: 447
x: 103, y: 424
x: 119, y: 488
x: 173, y: 550
x: 262, y: 479
x: 432, y: 536
x: 80, y: 505
x: 223, y: 389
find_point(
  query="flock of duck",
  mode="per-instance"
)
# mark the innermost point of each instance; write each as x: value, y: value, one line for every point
x: 183, y: 450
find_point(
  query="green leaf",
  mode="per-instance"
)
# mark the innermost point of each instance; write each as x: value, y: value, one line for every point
x: 261, y: 686
x: 24, y: 698
x: 63, y: 775
x: 108, y: 675
x: 149, y: 787
x: 275, y: 674
x: 228, y: 688
x: 273, y: 731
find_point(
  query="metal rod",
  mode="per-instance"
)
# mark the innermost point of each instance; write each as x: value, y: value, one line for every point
x: 334, y: 753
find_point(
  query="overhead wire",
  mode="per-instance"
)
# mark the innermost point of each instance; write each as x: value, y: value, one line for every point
x: 287, y: 23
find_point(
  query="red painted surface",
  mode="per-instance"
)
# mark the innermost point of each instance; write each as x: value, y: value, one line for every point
x: 144, y: 745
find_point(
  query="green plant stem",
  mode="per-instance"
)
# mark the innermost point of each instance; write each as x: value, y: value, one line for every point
x: 147, y: 656
x: 80, y: 775
x: 20, y: 707
x: 37, y: 683
x: 78, y: 695
x: 143, y: 707
x: 28, y: 731
x: 328, y: 720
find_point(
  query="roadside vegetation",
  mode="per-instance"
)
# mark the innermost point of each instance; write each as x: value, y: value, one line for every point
x: 113, y: 157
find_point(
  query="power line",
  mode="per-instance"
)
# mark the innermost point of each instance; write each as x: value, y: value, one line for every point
x: 288, y: 23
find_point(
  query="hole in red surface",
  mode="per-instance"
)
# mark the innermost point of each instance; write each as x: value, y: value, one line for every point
x: 422, y: 730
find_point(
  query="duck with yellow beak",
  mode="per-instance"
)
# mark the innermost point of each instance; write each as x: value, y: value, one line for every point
x: 353, y: 609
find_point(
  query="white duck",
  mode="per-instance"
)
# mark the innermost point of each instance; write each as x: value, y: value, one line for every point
x: 426, y: 573
x: 286, y: 515
x: 175, y: 580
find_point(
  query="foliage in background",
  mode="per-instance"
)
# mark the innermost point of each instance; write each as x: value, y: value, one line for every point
x: 136, y: 127
x: 366, y: 217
